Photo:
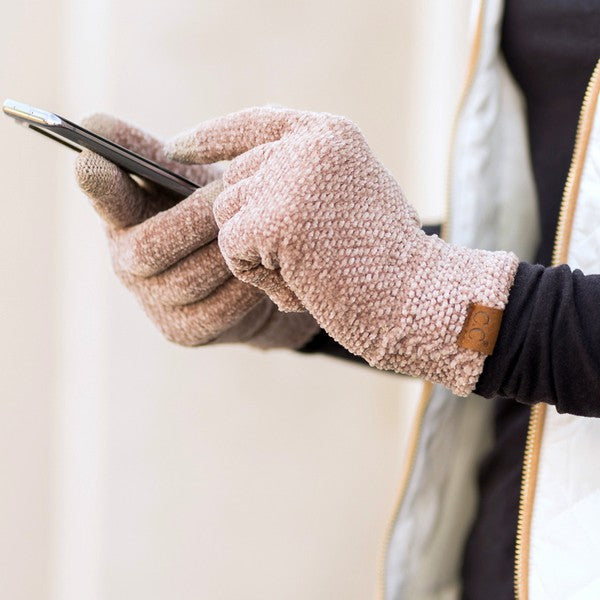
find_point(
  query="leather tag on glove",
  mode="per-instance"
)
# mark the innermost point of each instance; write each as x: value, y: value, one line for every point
x: 481, y: 329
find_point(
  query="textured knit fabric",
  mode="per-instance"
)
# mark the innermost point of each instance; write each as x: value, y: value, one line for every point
x: 166, y: 253
x: 548, y: 344
x: 323, y: 343
x: 312, y: 218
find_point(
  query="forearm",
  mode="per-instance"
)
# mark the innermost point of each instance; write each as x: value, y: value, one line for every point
x: 548, y: 347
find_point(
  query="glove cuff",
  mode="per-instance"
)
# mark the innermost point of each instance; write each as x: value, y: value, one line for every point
x: 448, y: 322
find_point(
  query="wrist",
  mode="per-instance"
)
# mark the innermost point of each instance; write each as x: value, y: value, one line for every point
x: 436, y: 333
x: 265, y: 326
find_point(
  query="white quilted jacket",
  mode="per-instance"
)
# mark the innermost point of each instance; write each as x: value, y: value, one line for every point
x: 492, y: 205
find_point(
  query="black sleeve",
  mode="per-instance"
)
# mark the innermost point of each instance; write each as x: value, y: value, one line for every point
x: 326, y: 345
x: 548, y: 348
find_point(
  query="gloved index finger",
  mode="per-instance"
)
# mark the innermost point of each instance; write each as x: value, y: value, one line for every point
x: 226, y: 137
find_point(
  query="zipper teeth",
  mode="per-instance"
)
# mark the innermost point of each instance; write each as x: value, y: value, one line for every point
x: 567, y: 205
x: 538, y: 412
x: 530, y: 463
x: 406, y: 476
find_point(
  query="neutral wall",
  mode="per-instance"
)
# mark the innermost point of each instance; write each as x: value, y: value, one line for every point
x: 133, y: 468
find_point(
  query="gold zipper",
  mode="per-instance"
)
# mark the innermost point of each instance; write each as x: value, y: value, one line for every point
x: 415, y: 434
x: 569, y: 199
x: 409, y: 465
x: 528, y: 482
x: 538, y: 412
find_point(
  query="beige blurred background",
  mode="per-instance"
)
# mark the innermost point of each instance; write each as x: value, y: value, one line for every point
x: 131, y: 468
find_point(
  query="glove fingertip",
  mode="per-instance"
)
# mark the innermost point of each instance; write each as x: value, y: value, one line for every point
x: 94, y: 173
x: 113, y: 194
x: 183, y: 148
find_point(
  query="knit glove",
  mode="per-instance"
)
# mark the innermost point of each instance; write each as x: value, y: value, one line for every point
x: 166, y: 251
x: 311, y: 217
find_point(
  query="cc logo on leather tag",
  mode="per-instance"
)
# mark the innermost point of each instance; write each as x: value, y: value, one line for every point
x: 481, y: 328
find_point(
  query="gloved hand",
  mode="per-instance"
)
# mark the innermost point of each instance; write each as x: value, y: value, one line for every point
x: 312, y: 218
x: 166, y: 253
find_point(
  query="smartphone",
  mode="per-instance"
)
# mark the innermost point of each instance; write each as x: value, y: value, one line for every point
x: 76, y: 137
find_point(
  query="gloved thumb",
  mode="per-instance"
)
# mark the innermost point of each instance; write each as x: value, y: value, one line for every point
x: 115, y: 196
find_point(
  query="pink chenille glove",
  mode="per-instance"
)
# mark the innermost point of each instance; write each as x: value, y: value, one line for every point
x: 311, y: 217
x: 168, y: 256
